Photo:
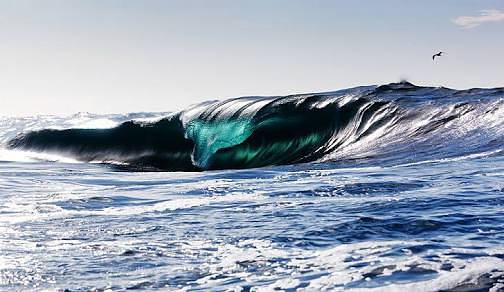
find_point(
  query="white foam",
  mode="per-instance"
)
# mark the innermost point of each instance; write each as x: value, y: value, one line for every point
x: 176, y: 204
x: 100, y: 123
x: 331, y: 269
x: 468, y: 274
x: 8, y: 155
x: 22, y: 212
x: 453, y: 159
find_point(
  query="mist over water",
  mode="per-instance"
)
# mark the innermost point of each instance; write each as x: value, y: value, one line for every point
x: 376, y: 187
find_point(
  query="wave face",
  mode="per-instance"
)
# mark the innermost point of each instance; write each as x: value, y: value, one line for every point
x: 394, y: 123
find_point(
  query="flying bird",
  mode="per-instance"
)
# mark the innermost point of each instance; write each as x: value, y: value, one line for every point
x: 437, y: 55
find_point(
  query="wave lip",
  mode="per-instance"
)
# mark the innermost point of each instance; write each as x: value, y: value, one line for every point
x: 384, y: 123
x: 159, y: 145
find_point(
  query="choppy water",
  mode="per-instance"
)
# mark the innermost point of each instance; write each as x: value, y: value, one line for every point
x: 417, y: 204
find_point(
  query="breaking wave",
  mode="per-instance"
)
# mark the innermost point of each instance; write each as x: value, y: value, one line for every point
x: 394, y: 123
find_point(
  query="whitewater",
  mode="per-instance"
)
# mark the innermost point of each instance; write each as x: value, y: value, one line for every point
x: 379, y: 188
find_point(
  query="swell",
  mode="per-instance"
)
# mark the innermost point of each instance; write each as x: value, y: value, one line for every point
x: 389, y: 122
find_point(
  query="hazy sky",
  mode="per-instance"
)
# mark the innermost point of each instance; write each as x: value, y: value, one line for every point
x: 62, y: 57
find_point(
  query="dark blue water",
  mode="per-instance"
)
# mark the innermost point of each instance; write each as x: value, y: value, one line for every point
x: 408, y: 196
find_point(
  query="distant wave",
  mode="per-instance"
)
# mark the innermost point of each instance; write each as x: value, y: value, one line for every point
x: 397, y: 122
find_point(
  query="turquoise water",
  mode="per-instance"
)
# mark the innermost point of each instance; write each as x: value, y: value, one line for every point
x: 209, y: 137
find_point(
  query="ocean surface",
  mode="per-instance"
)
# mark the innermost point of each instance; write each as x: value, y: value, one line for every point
x: 387, y: 188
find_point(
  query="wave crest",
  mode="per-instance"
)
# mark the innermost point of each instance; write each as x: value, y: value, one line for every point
x: 388, y: 122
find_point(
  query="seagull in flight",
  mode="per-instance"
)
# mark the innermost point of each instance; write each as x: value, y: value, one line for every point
x: 437, y: 55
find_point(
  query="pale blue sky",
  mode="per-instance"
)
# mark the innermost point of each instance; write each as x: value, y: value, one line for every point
x: 62, y: 57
